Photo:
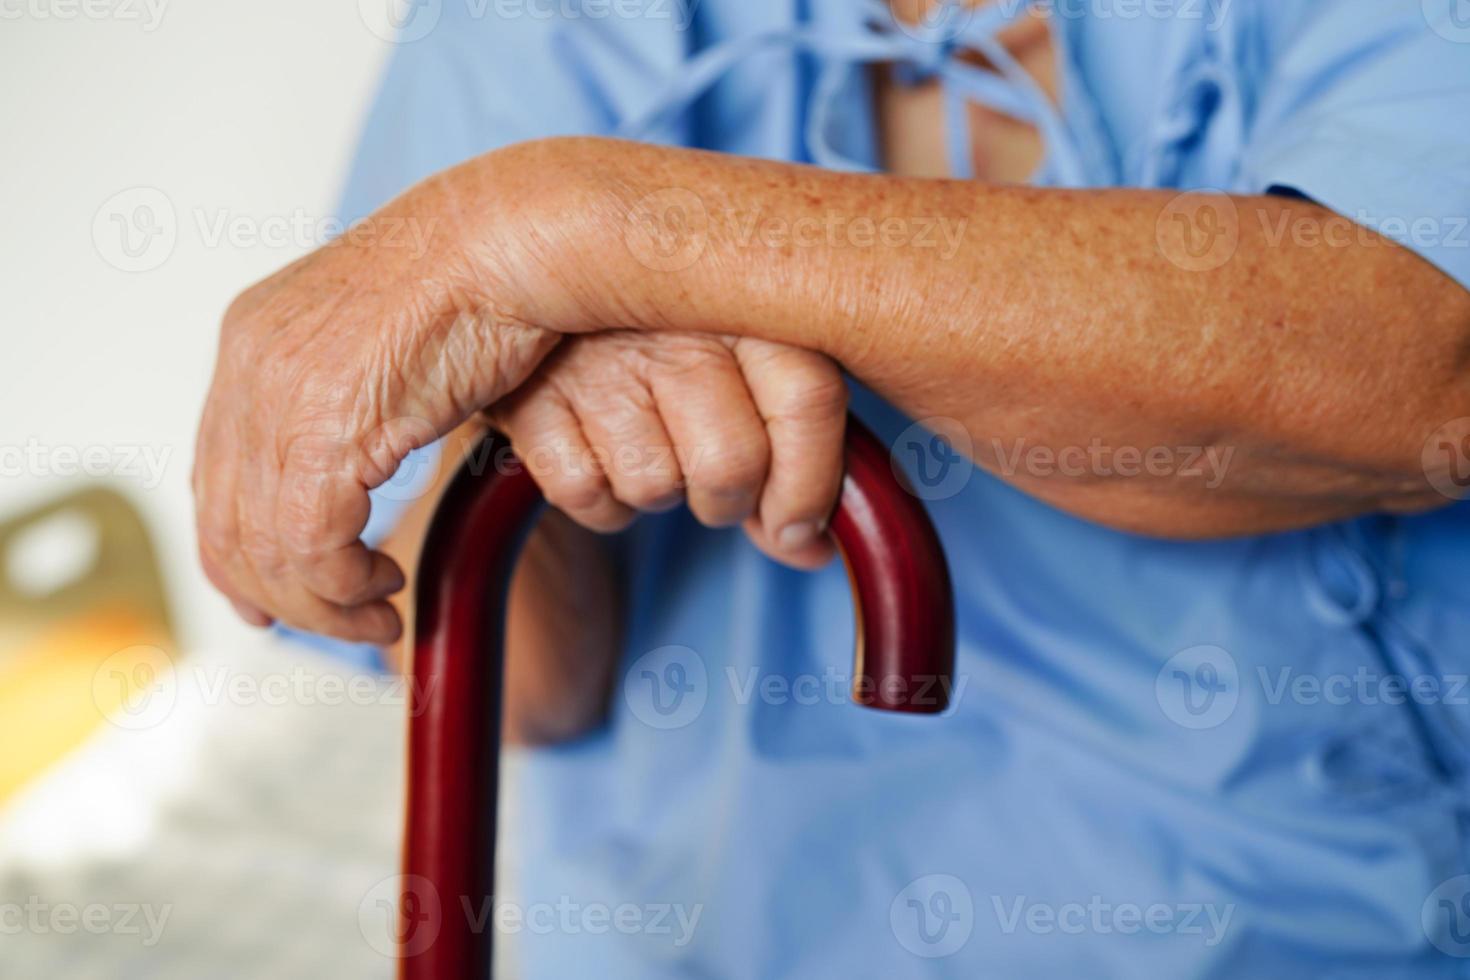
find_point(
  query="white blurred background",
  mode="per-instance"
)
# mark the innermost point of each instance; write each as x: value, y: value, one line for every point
x: 158, y: 156
x: 233, y: 122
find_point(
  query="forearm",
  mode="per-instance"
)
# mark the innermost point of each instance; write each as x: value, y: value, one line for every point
x: 1313, y: 371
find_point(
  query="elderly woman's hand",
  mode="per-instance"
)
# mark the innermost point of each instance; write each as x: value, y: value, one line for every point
x: 747, y: 430
x: 330, y: 371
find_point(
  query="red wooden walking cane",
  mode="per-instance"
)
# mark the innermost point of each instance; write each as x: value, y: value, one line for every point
x: 904, y: 659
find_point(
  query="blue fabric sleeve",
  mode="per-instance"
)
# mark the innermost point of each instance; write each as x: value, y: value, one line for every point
x: 1365, y: 109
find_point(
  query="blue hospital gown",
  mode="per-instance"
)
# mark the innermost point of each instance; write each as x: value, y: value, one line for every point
x: 1166, y: 759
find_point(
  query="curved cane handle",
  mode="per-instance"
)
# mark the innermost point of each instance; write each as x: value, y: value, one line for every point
x: 904, y: 661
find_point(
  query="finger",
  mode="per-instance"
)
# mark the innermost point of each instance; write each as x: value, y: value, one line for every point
x: 546, y: 434
x: 802, y: 401
x: 251, y: 615
x: 721, y: 441
x: 321, y: 508
x: 372, y: 622
x: 270, y: 582
x: 263, y: 567
x: 350, y: 575
x: 626, y: 427
x: 213, y: 482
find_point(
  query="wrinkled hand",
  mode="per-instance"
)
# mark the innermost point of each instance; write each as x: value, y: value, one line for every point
x: 329, y: 372
x: 332, y: 370
x: 746, y: 430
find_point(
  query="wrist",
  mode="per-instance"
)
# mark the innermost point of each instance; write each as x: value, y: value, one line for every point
x: 533, y: 234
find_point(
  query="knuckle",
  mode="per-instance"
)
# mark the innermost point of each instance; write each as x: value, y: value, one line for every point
x: 820, y: 398
x: 219, y: 537
x: 576, y: 492
x: 262, y: 551
x: 337, y: 581
x: 647, y: 491
x: 731, y: 468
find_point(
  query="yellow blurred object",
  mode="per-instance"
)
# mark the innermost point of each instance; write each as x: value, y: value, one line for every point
x: 85, y: 633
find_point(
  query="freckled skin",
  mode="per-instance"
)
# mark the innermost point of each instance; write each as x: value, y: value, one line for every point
x: 1053, y: 317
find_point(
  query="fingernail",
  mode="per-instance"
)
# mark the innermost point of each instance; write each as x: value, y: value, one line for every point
x: 798, y: 535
